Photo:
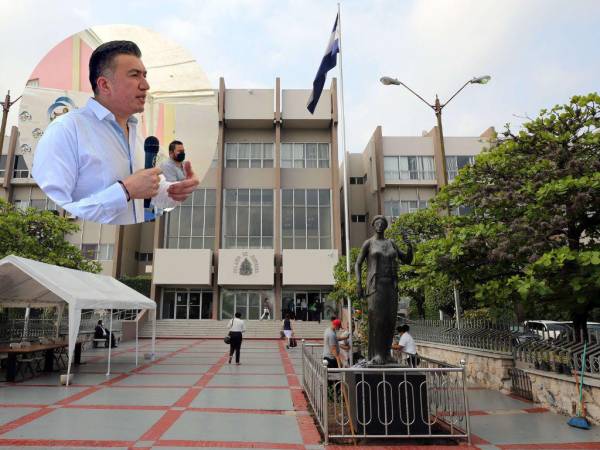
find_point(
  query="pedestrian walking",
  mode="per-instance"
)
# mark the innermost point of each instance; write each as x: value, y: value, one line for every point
x: 288, y: 330
x: 331, y: 346
x: 236, y: 329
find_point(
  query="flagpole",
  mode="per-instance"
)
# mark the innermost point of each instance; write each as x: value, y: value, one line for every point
x: 345, y: 174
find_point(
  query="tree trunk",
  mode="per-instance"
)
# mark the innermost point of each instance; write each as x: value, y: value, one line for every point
x: 420, y: 302
x: 580, y: 325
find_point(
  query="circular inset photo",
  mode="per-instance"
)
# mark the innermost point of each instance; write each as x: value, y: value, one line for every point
x: 118, y: 124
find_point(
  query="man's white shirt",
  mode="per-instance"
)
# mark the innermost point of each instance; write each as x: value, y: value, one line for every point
x: 408, y: 344
x: 80, y: 159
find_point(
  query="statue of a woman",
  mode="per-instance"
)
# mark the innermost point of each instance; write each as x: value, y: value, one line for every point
x: 382, y: 287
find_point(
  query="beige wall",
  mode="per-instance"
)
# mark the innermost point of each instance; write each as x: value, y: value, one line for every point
x: 293, y: 106
x: 189, y: 267
x: 131, y: 244
x: 249, y: 178
x: 464, y: 145
x: 306, y: 178
x: 393, y: 145
x: 249, y: 104
x: 249, y: 135
x: 262, y: 267
x: 309, y: 267
x: 209, y: 181
x: 305, y: 135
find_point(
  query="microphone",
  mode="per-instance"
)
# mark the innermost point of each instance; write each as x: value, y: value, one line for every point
x: 151, y: 146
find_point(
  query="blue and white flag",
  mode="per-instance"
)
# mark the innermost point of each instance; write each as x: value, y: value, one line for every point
x: 327, y: 63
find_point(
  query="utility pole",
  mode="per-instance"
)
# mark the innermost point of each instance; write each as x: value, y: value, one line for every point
x: 5, y: 109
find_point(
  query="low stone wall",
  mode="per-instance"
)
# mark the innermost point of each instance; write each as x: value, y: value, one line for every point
x: 484, y: 369
x: 560, y: 394
x: 490, y: 370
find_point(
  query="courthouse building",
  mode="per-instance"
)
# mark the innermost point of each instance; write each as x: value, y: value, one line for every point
x: 401, y: 174
x: 262, y: 231
x: 265, y: 228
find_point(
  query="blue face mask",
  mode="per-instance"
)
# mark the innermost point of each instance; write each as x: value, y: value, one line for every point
x: 180, y: 157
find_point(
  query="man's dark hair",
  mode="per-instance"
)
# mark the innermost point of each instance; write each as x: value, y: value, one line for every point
x: 238, y: 315
x: 100, y: 322
x: 103, y: 57
x: 174, y: 144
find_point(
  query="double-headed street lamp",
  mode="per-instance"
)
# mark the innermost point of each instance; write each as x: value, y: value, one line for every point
x: 437, y: 108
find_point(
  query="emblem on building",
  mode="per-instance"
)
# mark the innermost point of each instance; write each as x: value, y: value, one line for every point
x: 246, y: 265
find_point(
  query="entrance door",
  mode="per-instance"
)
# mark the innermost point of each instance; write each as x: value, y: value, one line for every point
x: 186, y: 305
x: 314, y: 306
x: 181, y: 305
x: 194, y: 305
x: 206, y: 305
x: 246, y: 303
x: 301, y: 306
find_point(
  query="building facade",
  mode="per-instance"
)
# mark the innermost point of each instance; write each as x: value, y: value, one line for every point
x: 261, y: 234
x: 396, y: 175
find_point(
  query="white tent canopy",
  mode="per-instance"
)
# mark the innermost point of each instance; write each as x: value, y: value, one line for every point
x: 26, y: 283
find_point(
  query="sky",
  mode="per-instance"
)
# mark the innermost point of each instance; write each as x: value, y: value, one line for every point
x: 538, y: 52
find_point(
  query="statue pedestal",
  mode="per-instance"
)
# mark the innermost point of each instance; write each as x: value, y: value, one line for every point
x: 389, y: 403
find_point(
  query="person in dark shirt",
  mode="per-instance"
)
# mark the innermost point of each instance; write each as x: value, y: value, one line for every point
x: 102, y: 333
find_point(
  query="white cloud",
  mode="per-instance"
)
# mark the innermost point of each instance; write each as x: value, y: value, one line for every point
x: 539, y: 52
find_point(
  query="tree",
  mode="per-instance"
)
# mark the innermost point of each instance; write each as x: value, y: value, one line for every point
x: 40, y: 235
x: 420, y: 226
x: 140, y: 283
x: 345, y: 287
x: 532, y: 236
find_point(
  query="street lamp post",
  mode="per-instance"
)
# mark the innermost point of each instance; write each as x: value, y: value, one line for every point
x: 437, y: 108
x: 5, y: 110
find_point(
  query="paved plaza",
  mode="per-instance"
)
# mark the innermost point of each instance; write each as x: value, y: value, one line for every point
x: 190, y: 397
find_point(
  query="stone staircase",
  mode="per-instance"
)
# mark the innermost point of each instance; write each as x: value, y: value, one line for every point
x: 255, y: 329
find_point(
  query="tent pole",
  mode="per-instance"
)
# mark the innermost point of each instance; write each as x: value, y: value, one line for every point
x: 109, y: 342
x: 68, y: 370
x: 153, y: 333
x: 136, y: 337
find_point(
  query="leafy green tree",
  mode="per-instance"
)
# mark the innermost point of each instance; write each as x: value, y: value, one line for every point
x: 40, y: 235
x: 140, y: 283
x: 532, y: 236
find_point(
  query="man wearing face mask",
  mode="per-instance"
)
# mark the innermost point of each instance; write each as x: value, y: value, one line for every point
x: 172, y: 168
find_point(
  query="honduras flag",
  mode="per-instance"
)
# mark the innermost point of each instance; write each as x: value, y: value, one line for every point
x: 329, y: 61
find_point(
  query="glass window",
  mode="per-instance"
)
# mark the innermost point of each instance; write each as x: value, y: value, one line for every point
x: 455, y: 163
x: 306, y: 218
x: 394, y: 208
x: 248, y: 217
x: 390, y: 168
x: 20, y: 170
x: 286, y: 156
x: 2, y: 165
x: 89, y: 251
x: 304, y: 155
x: 324, y: 156
x: 244, y: 155
x: 192, y: 224
x: 408, y: 168
x: 168, y: 305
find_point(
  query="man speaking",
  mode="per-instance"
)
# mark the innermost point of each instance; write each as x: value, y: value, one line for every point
x: 87, y: 161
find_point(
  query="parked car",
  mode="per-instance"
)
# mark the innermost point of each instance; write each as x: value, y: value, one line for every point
x: 523, y: 336
x: 547, y: 329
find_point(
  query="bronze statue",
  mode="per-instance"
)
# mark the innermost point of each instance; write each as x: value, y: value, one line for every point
x: 382, y: 287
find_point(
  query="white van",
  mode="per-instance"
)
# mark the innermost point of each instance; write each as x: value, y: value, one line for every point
x: 547, y: 329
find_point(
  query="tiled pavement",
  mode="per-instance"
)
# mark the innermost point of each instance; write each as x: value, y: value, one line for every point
x: 190, y: 397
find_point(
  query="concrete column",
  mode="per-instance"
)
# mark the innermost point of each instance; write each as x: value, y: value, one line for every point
x: 219, y: 198
x: 277, y: 205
